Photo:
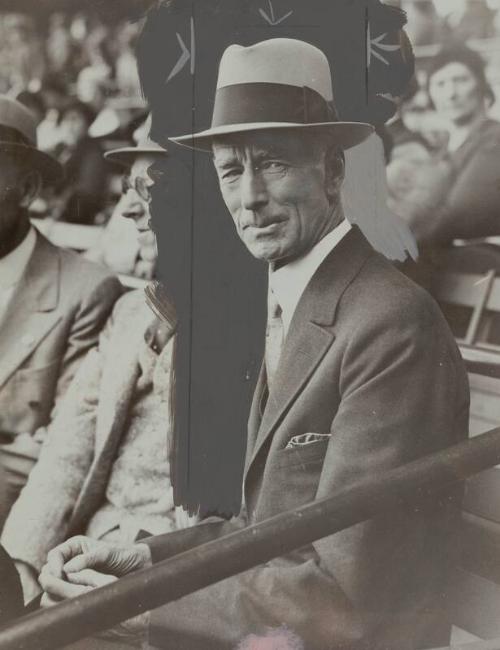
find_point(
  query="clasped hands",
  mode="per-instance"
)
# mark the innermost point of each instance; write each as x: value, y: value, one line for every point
x: 81, y: 564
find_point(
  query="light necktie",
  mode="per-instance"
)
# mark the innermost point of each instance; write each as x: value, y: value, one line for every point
x: 274, y: 337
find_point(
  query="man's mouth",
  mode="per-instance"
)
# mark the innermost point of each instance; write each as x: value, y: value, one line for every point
x: 264, y: 228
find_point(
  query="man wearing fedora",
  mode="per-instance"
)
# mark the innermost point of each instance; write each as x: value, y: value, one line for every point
x: 361, y: 375
x: 53, y: 303
x: 106, y: 451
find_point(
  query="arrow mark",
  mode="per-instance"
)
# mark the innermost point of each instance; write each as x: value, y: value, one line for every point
x: 185, y: 56
x: 272, y: 19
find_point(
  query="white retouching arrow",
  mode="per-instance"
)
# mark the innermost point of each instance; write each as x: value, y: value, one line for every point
x: 272, y: 20
x: 185, y: 56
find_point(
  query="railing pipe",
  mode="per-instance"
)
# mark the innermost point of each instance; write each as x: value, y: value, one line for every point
x: 209, y: 563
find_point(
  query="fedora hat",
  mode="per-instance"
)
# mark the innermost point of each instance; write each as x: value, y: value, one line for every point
x: 275, y: 84
x: 144, y: 145
x: 18, y: 134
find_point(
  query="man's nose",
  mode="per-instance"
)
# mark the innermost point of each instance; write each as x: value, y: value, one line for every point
x: 253, y: 191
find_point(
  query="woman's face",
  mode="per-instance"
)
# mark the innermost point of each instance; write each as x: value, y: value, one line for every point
x: 456, y: 93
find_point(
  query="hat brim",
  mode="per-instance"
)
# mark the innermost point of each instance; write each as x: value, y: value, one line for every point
x: 346, y: 134
x: 49, y: 168
x: 125, y: 155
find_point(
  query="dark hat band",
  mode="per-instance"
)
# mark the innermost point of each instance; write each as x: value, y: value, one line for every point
x: 13, y: 136
x: 269, y: 102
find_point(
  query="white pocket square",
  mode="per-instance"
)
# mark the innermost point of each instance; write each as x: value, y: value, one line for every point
x: 304, y: 439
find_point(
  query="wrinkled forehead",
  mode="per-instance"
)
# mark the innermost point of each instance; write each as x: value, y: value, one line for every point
x: 285, y: 143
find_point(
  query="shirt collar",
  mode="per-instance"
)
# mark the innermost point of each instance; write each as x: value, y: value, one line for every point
x: 13, y: 265
x: 289, y: 282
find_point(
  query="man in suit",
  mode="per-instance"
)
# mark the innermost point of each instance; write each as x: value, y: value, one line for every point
x: 361, y: 375
x: 103, y: 469
x: 53, y: 303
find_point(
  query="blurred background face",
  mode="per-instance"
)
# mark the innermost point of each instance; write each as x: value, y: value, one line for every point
x: 135, y: 203
x: 74, y: 127
x: 456, y: 93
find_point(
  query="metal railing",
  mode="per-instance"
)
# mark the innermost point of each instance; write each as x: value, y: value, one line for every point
x: 227, y: 556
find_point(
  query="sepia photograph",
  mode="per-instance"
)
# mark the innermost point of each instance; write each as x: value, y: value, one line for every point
x: 250, y: 324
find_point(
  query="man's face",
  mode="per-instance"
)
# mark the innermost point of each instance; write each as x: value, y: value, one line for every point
x: 275, y: 185
x: 135, y: 204
x: 11, y: 175
x: 455, y: 93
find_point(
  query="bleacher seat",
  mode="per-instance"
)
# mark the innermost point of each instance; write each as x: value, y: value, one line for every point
x: 471, y: 302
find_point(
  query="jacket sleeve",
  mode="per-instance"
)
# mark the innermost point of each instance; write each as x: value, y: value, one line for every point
x: 38, y: 520
x: 368, y: 586
x: 94, y: 308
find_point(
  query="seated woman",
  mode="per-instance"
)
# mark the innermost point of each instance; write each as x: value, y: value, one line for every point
x: 462, y: 184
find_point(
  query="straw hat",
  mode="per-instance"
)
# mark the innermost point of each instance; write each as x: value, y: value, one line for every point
x: 18, y: 134
x: 275, y: 84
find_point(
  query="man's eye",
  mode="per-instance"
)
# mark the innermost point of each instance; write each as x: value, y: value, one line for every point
x: 231, y: 174
x: 273, y: 166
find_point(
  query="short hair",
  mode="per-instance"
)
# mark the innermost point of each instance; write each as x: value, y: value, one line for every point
x: 473, y: 61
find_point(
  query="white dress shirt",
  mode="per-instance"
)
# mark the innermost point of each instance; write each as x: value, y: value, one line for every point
x: 289, y: 282
x: 12, y: 267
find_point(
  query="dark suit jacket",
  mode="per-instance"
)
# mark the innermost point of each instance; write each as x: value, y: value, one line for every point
x: 369, y: 360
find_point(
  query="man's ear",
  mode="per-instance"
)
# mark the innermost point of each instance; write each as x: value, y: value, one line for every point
x: 30, y: 187
x: 335, y: 171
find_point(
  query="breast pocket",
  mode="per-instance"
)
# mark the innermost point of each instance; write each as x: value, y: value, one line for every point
x: 33, y: 396
x: 291, y: 478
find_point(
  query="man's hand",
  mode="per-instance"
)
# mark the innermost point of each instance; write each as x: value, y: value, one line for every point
x: 72, y: 585
x: 18, y: 459
x: 81, y: 564
x: 71, y: 571
x: 79, y: 553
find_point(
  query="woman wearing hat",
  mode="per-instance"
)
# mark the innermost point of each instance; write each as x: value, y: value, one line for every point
x: 469, y: 206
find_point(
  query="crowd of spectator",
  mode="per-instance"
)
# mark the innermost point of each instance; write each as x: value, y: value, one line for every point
x: 445, y: 139
x: 78, y: 74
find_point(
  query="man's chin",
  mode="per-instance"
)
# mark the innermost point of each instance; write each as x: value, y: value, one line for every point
x: 265, y: 253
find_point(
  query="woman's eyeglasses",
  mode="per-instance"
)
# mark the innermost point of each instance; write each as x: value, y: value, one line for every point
x: 139, y: 185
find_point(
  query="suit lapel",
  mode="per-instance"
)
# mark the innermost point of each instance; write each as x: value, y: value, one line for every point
x: 32, y: 312
x: 114, y: 413
x: 311, y: 331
